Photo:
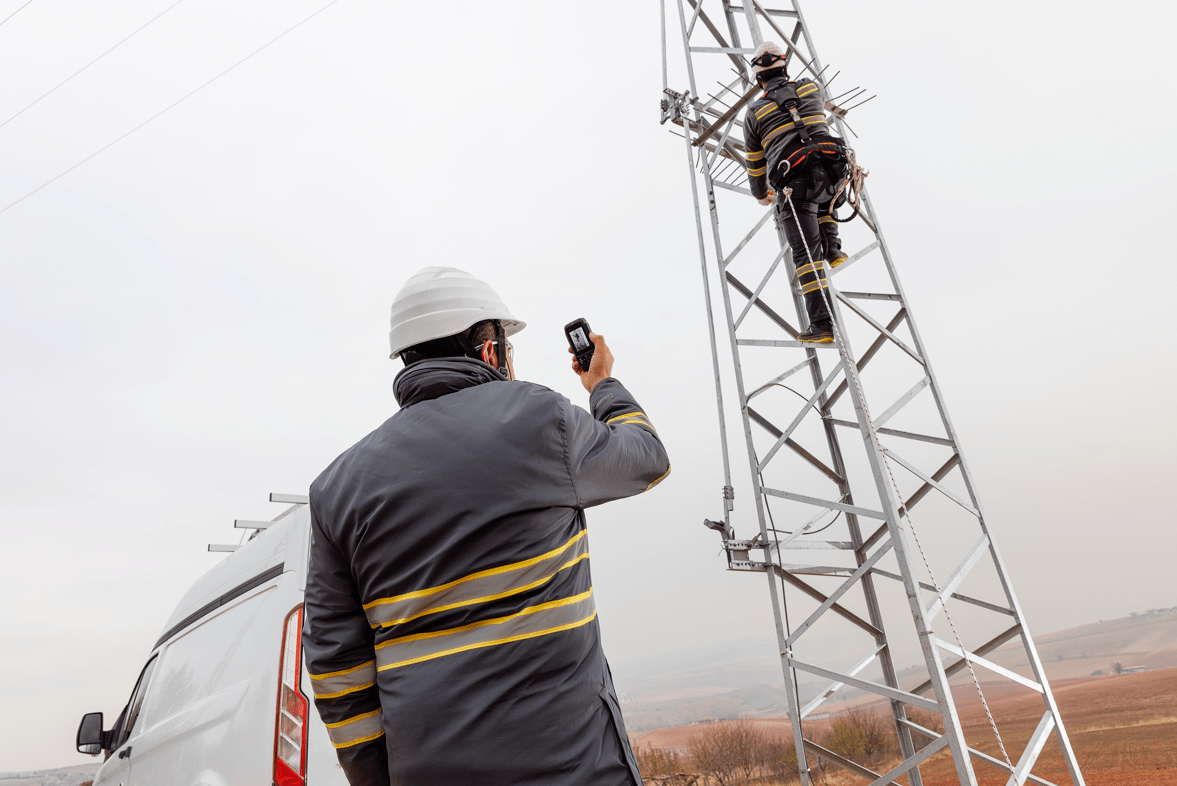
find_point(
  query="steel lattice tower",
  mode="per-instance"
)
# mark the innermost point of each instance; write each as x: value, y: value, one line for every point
x: 875, y: 532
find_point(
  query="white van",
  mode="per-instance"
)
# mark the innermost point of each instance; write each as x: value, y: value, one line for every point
x: 224, y: 698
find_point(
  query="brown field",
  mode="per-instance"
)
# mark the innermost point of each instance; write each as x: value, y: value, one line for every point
x: 1123, y: 729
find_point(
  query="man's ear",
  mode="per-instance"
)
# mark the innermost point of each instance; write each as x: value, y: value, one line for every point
x: 489, y: 356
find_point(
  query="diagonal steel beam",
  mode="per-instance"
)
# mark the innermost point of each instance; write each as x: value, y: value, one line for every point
x: 931, y: 748
x: 978, y: 550
x: 875, y: 324
x: 820, y: 597
x: 809, y: 405
x: 765, y: 424
x: 842, y: 762
x: 938, y: 475
x: 871, y: 351
x: 973, y: 657
x: 865, y: 685
x: 847, y: 585
x: 984, y: 649
x: 764, y: 307
x: 928, y: 481
x: 836, y: 685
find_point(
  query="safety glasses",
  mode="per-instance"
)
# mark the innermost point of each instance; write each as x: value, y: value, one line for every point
x: 510, y: 348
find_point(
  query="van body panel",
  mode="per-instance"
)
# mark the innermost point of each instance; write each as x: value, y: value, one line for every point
x: 254, y: 557
x: 211, y: 708
x: 209, y: 711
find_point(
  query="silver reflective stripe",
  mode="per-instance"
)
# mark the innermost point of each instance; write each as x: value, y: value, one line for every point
x: 353, y: 731
x: 341, y: 683
x: 480, y: 587
x: 546, y: 618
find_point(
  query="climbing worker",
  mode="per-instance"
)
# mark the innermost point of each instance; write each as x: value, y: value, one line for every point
x: 788, y: 145
x: 451, y: 634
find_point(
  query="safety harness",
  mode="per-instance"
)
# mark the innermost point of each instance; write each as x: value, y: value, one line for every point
x: 829, y: 155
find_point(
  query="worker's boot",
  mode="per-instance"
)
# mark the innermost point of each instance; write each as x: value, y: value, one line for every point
x: 821, y: 326
x: 831, y: 243
x: 817, y: 333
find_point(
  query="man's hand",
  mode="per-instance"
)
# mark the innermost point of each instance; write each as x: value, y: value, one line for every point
x: 766, y: 201
x: 601, y: 366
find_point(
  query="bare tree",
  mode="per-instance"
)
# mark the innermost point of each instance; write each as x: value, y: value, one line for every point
x: 653, y: 762
x: 780, y: 759
x: 730, y: 751
x: 878, y: 732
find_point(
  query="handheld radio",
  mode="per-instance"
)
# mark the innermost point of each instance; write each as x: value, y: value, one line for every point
x: 577, y: 332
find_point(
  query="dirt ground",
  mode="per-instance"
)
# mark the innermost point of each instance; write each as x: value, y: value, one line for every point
x: 1123, y: 729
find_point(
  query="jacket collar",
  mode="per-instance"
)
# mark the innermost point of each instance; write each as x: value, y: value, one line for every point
x: 430, y: 379
x: 773, y: 84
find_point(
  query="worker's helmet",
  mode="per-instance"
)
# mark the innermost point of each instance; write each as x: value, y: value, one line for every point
x: 767, y: 56
x: 444, y: 301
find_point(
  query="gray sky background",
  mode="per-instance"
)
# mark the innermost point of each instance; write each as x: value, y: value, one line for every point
x: 198, y: 316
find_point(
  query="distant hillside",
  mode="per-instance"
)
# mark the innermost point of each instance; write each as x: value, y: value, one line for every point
x: 66, y: 776
x: 743, y: 679
x: 1146, y: 639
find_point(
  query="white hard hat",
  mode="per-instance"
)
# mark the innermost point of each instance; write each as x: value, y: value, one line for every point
x: 767, y: 47
x: 443, y: 301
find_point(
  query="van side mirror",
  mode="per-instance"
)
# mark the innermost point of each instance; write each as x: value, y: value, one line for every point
x: 90, y: 734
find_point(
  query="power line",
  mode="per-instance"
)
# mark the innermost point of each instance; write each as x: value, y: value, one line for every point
x: 167, y: 108
x: 14, y: 13
x: 92, y: 62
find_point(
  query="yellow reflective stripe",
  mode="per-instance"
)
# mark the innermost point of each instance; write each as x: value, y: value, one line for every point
x: 827, y: 220
x: 810, y: 268
x: 805, y: 290
x: 480, y: 587
x: 353, y: 731
x: 639, y: 421
x: 758, y: 155
x: 541, y: 620
x: 773, y: 134
x: 660, y: 478
x: 811, y: 119
x: 341, y: 683
x: 756, y: 172
x: 626, y: 415
x: 767, y: 108
x: 806, y: 90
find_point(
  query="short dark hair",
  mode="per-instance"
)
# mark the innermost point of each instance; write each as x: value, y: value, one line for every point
x: 464, y: 344
x: 771, y: 73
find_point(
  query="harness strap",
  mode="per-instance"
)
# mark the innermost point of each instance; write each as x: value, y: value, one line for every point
x: 787, y: 100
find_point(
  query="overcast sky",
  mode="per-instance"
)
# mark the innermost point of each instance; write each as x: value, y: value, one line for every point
x: 197, y: 316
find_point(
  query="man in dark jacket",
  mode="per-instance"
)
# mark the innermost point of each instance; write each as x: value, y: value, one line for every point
x: 786, y: 151
x: 451, y: 634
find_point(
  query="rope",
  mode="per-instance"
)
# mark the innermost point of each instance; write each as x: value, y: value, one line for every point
x: 903, y: 512
x: 852, y: 186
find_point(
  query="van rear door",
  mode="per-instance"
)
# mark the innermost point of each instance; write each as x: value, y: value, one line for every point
x: 210, y: 714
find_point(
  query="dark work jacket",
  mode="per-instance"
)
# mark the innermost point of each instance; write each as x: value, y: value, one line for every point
x: 451, y: 634
x: 769, y: 130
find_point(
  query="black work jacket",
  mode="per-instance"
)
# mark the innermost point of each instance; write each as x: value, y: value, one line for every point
x: 451, y: 634
x: 769, y: 131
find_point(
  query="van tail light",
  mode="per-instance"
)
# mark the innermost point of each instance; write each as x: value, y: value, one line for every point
x: 290, y: 736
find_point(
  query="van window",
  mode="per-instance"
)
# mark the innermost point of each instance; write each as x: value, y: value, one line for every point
x: 135, y: 705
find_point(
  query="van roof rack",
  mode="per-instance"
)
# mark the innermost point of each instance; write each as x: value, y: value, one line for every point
x: 257, y: 526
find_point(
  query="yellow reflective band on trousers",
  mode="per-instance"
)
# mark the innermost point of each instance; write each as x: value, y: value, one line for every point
x: 353, y: 731
x: 341, y: 683
x: 542, y: 620
x: 480, y: 587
